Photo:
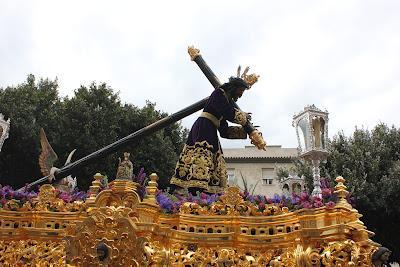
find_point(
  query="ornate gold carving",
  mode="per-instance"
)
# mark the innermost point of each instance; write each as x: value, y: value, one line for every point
x: 258, y: 140
x: 156, y: 253
x: 193, y: 52
x: 192, y: 255
x: 107, y: 236
x: 240, y: 117
x: 122, y: 231
x: 32, y: 253
x: 340, y: 253
x: 232, y: 196
x: 122, y: 193
x: 230, y: 203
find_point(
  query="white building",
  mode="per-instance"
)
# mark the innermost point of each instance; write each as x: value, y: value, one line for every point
x: 259, y: 169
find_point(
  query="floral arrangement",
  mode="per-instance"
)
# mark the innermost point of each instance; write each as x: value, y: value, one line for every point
x: 141, y: 179
x: 20, y: 197
x: 14, y: 199
x: 171, y: 203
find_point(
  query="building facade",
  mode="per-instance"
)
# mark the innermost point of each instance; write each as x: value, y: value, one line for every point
x: 256, y: 170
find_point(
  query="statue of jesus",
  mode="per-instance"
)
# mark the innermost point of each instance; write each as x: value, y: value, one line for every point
x: 201, y: 165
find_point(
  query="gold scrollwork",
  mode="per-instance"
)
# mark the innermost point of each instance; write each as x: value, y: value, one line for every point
x: 107, y: 236
x: 240, y: 117
x: 32, y: 253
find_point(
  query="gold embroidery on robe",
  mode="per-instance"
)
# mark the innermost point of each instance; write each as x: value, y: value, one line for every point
x: 240, y: 117
x: 199, y: 167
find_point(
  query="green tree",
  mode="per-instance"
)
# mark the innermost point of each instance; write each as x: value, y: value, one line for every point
x: 91, y: 119
x: 30, y: 105
x: 370, y: 163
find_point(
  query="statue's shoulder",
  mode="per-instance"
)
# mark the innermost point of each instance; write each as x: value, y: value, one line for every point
x: 219, y: 94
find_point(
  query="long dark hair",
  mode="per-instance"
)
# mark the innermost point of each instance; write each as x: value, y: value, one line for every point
x: 233, y: 84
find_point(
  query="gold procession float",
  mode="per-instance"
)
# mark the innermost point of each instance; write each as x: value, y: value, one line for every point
x: 115, y: 228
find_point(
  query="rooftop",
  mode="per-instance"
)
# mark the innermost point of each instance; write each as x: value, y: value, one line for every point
x: 251, y: 152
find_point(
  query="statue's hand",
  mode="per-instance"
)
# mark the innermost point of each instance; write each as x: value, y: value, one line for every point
x: 258, y: 140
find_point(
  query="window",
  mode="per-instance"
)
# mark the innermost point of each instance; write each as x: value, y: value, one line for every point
x: 267, y: 176
x: 267, y: 181
x: 231, y: 176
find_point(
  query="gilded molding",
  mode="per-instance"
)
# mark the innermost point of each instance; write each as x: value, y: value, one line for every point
x: 120, y: 229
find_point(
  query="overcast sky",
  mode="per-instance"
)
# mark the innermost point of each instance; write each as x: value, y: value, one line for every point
x: 343, y: 56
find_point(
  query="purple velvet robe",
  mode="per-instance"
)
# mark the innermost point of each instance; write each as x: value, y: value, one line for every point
x: 201, y: 164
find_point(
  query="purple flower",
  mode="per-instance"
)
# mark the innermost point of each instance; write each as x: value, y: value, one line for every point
x: 306, y: 205
x: 295, y: 199
x: 251, y: 199
x: 165, y: 203
x: 212, y: 198
x: 276, y: 199
x: 318, y: 204
x: 140, y: 176
x: 330, y: 205
x: 65, y: 197
x: 316, y: 199
x: 304, y: 196
x: 325, y: 183
x: 326, y: 192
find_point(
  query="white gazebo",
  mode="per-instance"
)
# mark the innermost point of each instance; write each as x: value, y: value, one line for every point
x: 4, y: 129
x: 312, y: 135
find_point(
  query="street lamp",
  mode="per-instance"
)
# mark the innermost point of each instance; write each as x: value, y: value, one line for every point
x: 4, y: 129
x: 312, y: 135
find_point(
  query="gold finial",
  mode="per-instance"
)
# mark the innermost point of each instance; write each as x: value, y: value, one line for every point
x: 193, y: 52
x: 151, y: 188
x: 340, y: 190
x: 96, y: 185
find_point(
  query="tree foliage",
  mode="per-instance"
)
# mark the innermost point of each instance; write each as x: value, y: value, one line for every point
x: 370, y: 163
x: 89, y: 120
x: 369, y: 160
